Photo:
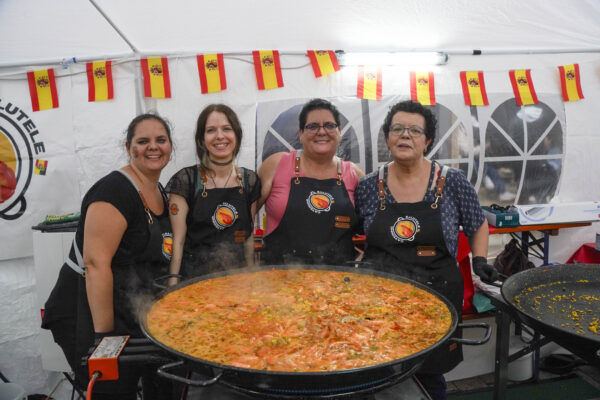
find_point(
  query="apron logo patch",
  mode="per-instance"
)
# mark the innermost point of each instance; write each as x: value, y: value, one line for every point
x: 225, y: 215
x: 319, y: 202
x: 405, y: 229
x: 167, y: 244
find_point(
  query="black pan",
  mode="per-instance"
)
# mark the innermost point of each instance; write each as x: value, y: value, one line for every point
x: 562, y: 302
x: 278, y: 384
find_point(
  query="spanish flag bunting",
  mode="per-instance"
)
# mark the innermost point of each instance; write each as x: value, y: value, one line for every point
x: 268, y: 69
x: 422, y: 88
x: 473, y: 87
x: 369, y: 83
x: 100, y: 82
x: 42, y: 88
x: 40, y: 167
x: 523, y: 87
x: 156, y: 77
x: 570, y: 82
x: 324, y: 62
x: 212, y: 73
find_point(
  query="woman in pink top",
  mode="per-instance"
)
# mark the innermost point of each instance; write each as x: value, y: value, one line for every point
x: 309, y: 195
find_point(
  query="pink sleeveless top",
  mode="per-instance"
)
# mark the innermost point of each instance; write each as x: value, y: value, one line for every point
x: 280, y: 190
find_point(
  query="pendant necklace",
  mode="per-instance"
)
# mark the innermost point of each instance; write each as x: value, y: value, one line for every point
x: 226, y: 182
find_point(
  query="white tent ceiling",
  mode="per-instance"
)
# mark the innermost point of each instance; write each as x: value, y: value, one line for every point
x: 32, y: 31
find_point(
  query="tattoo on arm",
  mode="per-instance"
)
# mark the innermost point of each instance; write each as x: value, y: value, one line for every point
x: 173, y: 208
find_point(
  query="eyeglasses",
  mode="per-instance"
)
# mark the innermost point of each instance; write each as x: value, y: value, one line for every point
x: 329, y: 127
x: 413, y: 131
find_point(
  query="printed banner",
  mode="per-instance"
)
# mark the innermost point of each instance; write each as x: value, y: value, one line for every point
x: 324, y: 62
x: 212, y: 73
x: 100, y: 82
x: 422, y: 88
x: 42, y: 88
x: 473, y: 87
x: 370, y: 82
x: 570, y: 82
x: 268, y: 69
x: 156, y: 77
x: 522, y: 85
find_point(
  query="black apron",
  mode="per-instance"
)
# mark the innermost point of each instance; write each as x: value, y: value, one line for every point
x: 318, y: 223
x: 218, y: 225
x: 406, y: 239
x: 132, y: 282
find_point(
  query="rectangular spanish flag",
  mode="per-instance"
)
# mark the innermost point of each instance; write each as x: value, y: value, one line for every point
x: 156, y: 77
x: 212, y: 73
x: 100, y: 83
x: 42, y: 88
x: 40, y: 167
x: 370, y: 82
x: 324, y: 62
x: 268, y: 69
x: 473, y: 87
x: 570, y: 82
x: 422, y: 88
x: 523, y: 87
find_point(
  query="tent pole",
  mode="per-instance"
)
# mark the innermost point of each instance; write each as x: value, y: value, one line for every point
x: 101, y: 11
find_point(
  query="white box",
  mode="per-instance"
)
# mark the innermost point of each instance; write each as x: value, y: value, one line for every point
x: 537, y: 214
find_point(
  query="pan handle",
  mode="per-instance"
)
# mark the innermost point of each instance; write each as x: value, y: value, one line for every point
x: 162, y: 371
x: 157, y: 282
x: 474, y: 342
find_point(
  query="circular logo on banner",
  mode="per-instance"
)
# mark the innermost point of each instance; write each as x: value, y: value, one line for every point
x: 167, y: 244
x: 18, y: 143
x: 225, y: 215
x: 319, y: 202
x: 405, y: 229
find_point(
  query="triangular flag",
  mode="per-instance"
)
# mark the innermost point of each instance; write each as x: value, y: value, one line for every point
x: 370, y: 83
x: 570, y: 82
x: 522, y: 85
x: 42, y: 88
x: 156, y: 77
x: 473, y: 87
x: 422, y: 88
x: 268, y: 69
x: 100, y: 82
x: 212, y: 73
x: 324, y: 62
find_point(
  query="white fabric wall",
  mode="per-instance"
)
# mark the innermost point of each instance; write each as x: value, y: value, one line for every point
x: 83, y: 141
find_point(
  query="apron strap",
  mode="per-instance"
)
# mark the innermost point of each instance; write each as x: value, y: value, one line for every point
x: 77, y: 267
x: 201, y: 183
x: 381, y: 188
x: 297, y: 168
x: 146, y: 208
x: 440, y: 186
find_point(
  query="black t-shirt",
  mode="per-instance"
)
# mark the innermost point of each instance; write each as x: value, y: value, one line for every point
x: 183, y: 183
x: 116, y: 190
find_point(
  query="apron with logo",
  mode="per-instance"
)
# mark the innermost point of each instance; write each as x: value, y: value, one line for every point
x: 406, y: 239
x: 317, y: 225
x: 218, y: 226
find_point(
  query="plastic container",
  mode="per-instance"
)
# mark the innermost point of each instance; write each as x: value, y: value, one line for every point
x: 522, y: 368
x: 12, y: 391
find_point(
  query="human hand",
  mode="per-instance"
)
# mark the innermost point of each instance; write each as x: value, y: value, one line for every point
x: 485, y: 271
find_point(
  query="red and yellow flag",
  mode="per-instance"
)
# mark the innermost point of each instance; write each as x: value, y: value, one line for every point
x: 212, y: 73
x: 42, y: 88
x: 40, y: 167
x: 370, y: 82
x: 523, y: 86
x: 268, y: 69
x: 100, y: 83
x: 422, y: 88
x: 324, y: 62
x: 570, y: 82
x: 473, y: 87
x: 156, y: 77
